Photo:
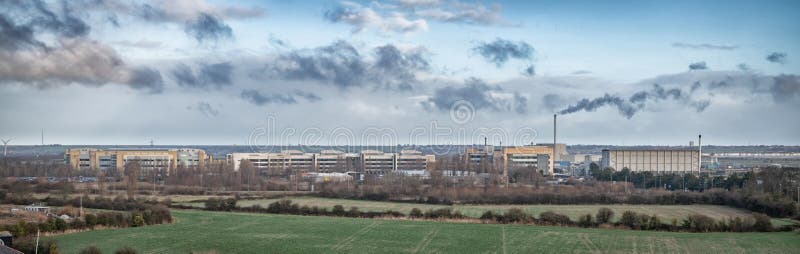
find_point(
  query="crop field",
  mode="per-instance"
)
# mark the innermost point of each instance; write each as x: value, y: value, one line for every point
x: 665, y: 212
x: 219, y: 232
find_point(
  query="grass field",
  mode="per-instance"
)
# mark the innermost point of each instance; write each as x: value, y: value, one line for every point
x: 665, y: 212
x: 218, y: 232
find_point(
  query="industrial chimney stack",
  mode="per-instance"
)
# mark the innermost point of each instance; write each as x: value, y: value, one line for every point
x: 554, y: 138
x: 699, y: 150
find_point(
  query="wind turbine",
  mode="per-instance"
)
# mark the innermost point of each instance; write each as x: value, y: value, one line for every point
x: 5, y: 146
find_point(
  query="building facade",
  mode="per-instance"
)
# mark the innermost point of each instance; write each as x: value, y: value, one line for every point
x: 148, y: 159
x: 479, y: 159
x: 654, y: 160
x: 369, y: 162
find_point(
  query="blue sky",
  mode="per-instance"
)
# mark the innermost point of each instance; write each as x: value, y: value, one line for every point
x: 216, y: 72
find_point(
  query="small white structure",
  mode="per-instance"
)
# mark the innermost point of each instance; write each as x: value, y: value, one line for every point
x: 37, y: 209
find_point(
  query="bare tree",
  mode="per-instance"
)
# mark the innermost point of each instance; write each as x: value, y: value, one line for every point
x: 132, y: 169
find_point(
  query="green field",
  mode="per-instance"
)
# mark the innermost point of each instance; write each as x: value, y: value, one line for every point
x: 665, y: 212
x: 219, y: 232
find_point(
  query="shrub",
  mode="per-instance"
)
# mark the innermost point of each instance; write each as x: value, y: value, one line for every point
x: 586, y: 221
x: 550, y: 217
x: 604, y: 215
x: 762, y: 223
x: 655, y: 223
x: 515, y: 215
x: 698, y: 223
x: 488, y: 215
x: 415, y: 213
x: 91, y: 250
x: 354, y: 212
x: 125, y: 250
x: 630, y: 219
x: 338, y: 210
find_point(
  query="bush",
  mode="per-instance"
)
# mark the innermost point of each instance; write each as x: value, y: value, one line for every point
x: 762, y: 223
x: 354, y: 212
x: 550, y: 217
x: 630, y: 219
x: 125, y: 250
x: 338, y: 210
x: 604, y: 215
x: 698, y: 223
x: 415, y: 213
x: 515, y: 215
x: 586, y: 221
x: 488, y: 215
x: 91, y: 250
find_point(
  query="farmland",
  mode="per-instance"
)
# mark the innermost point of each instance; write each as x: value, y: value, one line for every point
x: 665, y: 212
x: 201, y: 231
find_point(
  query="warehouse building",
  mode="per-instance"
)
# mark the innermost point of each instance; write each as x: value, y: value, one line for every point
x: 668, y: 160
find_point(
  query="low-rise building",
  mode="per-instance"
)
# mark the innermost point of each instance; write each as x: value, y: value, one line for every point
x: 148, y: 158
x: 667, y: 160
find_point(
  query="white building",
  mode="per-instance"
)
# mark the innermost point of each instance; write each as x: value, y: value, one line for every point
x: 671, y: 160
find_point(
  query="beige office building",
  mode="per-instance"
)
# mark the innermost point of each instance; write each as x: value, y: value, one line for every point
x: 148, y: 159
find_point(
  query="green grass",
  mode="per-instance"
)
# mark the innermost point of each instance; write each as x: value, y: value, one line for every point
x: 219, y: 232
x: 665, y: 212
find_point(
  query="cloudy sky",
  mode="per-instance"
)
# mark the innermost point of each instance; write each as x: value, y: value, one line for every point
x: 404, y: 71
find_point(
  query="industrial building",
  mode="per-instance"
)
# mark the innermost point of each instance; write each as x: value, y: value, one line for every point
x: 148, y: 158
x: 668, y: 160
x: 478, y: 159
x: 370, y: 162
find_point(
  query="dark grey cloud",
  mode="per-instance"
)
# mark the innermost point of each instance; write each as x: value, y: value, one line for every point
x: 744, y: 67
x: 75, y: 61
x: 342, y: 65
x: 65, y: 24
x: 147, y: 79
x: 260, y: 99
x: 785, y: 88
x: 698, y: 66
x: 703, y: 46
x: 13, y: 36
x: 479, y: 95
x: 21, y: 20
x: 71, y: 58
x: 205, y: 108
x: 215, y: 75
x: 636, y: 102
x: 777, y: 57
x: 581, y: 72
x: 530, y: 71
x: 208, y: 27
x: 500, y: 51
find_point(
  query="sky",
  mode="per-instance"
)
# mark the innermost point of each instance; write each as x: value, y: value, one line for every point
x: 211, y: 72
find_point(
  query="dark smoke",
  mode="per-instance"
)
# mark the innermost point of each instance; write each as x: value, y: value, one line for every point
x: 630, y: 106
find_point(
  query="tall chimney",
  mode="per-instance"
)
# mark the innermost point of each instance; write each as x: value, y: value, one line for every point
x: 554, y: 138
x: 700, y: 150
